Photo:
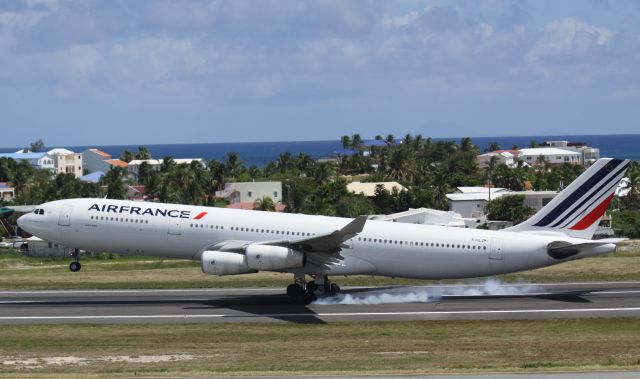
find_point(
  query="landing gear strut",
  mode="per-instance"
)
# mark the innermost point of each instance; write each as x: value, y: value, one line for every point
x: 75, y: 266
x: 309, y: 291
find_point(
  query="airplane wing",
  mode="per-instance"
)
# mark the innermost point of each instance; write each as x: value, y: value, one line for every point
x: 329, y: 242
x: 322, y: 250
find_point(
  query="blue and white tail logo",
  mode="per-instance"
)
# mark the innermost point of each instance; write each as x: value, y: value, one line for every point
x: 577, y: 210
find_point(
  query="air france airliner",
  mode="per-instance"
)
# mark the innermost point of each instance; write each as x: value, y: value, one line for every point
x: 231, y: 242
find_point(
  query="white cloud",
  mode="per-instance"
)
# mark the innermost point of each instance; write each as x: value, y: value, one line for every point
x: 567, y: 37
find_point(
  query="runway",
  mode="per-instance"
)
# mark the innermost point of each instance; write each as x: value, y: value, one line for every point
x: 488, y: 300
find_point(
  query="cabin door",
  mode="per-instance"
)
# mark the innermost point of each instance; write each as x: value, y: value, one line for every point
x: 174, y: 226
x: 496, y: 251
x: 65, y: 215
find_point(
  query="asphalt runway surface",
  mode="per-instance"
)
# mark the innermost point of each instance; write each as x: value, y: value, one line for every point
x: 488, y: 300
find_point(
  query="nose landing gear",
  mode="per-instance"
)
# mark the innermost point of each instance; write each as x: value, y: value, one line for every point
x: 75, y: 266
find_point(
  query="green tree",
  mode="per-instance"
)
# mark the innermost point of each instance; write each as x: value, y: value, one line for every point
x: 127, y: 156
x: 114, y: 180
x: 508, y: 208
x: 143, y: 153
x: 36, y: 146
x: 264, y: 204
x: 493, y: 146
x: 467, y: 145
x: 233, y: 165
x: 356, y: 141
x: 346, y: 142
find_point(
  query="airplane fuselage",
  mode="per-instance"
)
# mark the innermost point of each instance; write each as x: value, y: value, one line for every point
x: 382, y: 248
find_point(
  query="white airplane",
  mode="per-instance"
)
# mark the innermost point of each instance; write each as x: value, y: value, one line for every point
x: 229, y: 242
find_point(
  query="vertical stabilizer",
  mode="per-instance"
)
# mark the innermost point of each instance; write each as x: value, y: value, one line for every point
x: 577, y: 210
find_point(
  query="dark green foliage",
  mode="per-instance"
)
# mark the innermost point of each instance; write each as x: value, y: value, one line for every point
x: 508, y: 208
x: 37, y: 145
x: 626, y: 223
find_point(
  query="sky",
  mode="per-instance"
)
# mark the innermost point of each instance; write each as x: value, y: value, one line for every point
x: 117, y: 72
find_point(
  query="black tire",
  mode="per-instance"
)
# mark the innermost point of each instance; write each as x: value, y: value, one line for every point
x: 75, y: 266
x: 312, y: 286
x: 335, y: 288
x: 295, y: 290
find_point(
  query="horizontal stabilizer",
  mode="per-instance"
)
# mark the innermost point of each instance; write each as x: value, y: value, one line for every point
x: 564, y: 249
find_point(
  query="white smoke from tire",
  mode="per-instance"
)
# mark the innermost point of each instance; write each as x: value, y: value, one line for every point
x: 491, y: 287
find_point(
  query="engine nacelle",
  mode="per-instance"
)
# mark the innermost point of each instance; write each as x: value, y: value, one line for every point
x: 224, y: 263
x: 266, y: 257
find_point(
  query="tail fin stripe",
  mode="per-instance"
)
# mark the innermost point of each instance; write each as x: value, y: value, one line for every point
x: 608, y: 185
x: 594, y: 215
x: 581, y: 191
x: 608, y: 190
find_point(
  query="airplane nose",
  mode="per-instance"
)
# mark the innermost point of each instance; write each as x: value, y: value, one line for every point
x: 21, y: 221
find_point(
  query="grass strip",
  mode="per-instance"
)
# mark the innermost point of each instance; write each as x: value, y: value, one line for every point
x: 319, y: 349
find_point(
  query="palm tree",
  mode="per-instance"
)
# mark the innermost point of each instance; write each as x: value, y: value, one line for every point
x: 346, y: 142
x: 126, y: 156
x: 390, y: 140
x: 37, y: 145
x: 493, y: 146
x: 233, y: 165
x: 264, y: 204
x: 143, y: 153
x: 114, y: 181
x: 466, y: 144
x: 216, y: 171
x: 356, y: 141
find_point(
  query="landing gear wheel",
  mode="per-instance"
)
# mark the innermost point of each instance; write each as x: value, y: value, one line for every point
x: 295, y: 290
x: 334, y: 288
x: 312, y: 286
x: 75, y: 266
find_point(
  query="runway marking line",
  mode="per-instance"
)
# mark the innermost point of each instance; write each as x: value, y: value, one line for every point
x: 348, y: 314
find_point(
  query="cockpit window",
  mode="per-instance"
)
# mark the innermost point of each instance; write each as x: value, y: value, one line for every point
x: 39, y: 211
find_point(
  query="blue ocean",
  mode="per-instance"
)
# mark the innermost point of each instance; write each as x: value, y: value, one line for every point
x: 261, y: 153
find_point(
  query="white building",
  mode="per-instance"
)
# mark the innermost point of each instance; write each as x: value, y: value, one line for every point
x: 552, y: 155
x: 95, y: 160
x: 7, y: 193
x: 471, y: 202
x: 66, y: 162
x: 506, y: 157
x: 369, y: 189
x: 249, y: 192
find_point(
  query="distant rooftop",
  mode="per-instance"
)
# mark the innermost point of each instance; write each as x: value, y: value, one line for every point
x: 117, y: 163
x: 94, y: 177
x: 547, y: 151
x: 60, y: 151
x: 102, y: 153
x: 22, y: 155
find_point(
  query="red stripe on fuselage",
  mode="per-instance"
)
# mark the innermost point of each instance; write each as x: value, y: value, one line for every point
x: 201, y: 215
x: 593, y: 216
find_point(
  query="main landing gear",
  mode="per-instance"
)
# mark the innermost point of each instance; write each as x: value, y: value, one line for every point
x: 75, y: 266
x: 309, y: 291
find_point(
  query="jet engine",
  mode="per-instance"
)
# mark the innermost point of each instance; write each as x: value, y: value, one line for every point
x: 266, y: 257
x: 224, y: 263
